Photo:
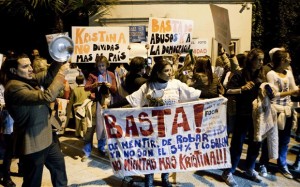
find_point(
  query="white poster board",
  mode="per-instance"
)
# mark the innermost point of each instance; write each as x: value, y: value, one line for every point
x: 90, y: 42
x: 167, y: 36
x: 200, y: 47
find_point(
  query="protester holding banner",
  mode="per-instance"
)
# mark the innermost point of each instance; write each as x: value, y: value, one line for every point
x: 34, y: 139
x: 102, y: 85
x: 245, y: 84
x: 160, y: 89
x: 204, y: 79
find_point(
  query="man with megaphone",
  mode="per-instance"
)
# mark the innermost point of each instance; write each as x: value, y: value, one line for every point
x: 27, y: 96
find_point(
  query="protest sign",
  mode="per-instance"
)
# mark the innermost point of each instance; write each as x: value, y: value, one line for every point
x: 222, y: 26
x: 168, y: 36
x: 90, y: 42
x: 184, y: 137
x: 137, y: 33
x: 200, y: 47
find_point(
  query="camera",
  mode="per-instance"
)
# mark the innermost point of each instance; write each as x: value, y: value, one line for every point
x: 148, y: 61
x: 103, y: 89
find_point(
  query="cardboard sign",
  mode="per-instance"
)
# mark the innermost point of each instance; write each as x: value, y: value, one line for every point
x: 222, y: 26
x: 90, y: 42
x: 168, y: 36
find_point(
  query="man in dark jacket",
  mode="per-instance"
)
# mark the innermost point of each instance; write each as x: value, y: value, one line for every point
x: 27, y: 96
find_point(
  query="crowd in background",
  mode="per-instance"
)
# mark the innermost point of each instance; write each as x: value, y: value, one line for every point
x: 258, y: 92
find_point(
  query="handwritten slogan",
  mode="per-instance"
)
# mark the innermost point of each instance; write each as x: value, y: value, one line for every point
x: 90, y: 42
x: 200, y: 47
x: 185, y: 137
x: 167, y: 36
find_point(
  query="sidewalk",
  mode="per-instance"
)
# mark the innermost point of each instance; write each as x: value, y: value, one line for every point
x: 97, y: 171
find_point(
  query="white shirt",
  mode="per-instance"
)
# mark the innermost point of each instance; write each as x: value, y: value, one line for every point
x: 282, y: 84
x: 171, y: 92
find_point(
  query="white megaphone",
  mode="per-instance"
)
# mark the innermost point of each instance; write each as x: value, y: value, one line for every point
x: 61, y: 48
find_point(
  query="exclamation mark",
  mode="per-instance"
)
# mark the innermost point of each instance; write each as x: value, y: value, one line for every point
x: 198, y: 113
x: 225, y: 152
x: 219, y: 156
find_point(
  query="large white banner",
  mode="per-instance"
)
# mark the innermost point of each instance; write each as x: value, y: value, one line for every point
x: 90, y: 42
x: 185, y: 137
x: 167, y: 36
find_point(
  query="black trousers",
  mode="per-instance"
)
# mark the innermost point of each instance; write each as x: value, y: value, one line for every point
x: 8, y: 155
x: 52, y: 158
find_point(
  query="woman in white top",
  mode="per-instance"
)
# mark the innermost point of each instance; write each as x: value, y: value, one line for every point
x: 159, y: 90
x: 283, y: 81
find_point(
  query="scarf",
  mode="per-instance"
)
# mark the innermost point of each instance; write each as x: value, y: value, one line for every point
x: 32, y: 82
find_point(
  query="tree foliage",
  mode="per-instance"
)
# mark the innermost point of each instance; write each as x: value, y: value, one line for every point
x: 275, y: 23
x: 257, y: 25
x: 28, y: 21
x: 59, y: 10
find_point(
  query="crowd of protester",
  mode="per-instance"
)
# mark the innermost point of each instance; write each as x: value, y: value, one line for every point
x: 30, y: 87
